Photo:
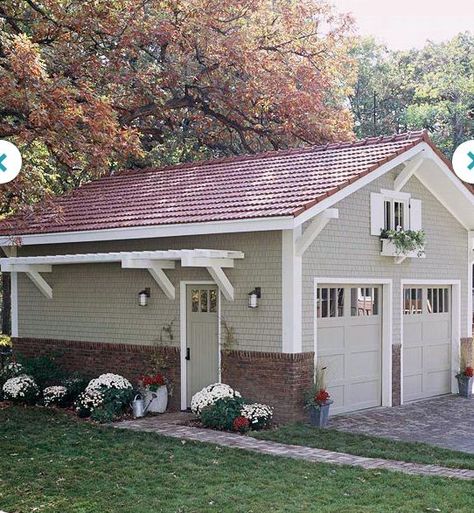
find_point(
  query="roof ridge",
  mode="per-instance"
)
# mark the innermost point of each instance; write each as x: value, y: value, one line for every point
x: 405, y: 136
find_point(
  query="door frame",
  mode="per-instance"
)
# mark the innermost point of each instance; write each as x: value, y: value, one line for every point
x: 387, y: 317
x: 455, y: 324
x: 183, y: 339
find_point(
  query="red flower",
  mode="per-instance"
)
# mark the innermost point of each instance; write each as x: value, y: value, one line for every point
x: 241, y: 424
x: 322, y: 397
x: 469, y: 372
x: 157, y: 380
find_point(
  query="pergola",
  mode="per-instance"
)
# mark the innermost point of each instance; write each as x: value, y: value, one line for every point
x: 156, y: 262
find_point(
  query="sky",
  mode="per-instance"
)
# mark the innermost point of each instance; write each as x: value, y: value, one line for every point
x: 404, y: 24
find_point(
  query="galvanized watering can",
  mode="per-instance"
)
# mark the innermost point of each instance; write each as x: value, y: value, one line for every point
x: 138, y: 406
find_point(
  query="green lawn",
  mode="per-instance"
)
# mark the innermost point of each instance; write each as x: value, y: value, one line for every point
x: 55, y: 464
x: 361, y: 445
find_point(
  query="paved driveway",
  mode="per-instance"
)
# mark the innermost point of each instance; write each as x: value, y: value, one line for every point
x: 446, y: 421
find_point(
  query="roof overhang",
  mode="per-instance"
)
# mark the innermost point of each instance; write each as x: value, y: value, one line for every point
x: 153, y: 261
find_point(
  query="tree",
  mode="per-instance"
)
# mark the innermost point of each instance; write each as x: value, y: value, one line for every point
x: 92, y: 86
x: 431, y: 88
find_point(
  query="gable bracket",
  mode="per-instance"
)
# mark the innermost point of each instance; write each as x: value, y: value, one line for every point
x: 33, y: 272
x: 315, y: 227
x: 407, y: 172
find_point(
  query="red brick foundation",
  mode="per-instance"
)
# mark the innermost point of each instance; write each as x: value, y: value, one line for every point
x: 277, y: 379
x: 93, y: 358
x: 272, y: 378
x: 396, y: 375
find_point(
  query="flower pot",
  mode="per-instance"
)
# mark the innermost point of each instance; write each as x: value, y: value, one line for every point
x: 158, y: 401
x: 464, y: 385
x: 318, y: 415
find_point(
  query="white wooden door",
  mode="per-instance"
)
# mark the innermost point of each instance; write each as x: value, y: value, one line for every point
x: 202, y: 345
x: 426, y: 342
x: 349, y: 344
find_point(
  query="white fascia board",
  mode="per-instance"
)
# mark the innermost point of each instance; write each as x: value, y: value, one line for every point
x: 359, y: 184
x: 151, y: 232
x: 405, y: 175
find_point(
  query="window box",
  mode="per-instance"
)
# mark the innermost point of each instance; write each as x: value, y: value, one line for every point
x: 389, y: 249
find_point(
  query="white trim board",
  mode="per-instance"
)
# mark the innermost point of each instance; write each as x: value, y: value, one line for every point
x: 387, y: 324
x: 183, y: 339
x: 455, y: 324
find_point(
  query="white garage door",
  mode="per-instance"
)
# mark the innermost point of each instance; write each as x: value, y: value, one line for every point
x: 349, y: 344
x: 426, y: 342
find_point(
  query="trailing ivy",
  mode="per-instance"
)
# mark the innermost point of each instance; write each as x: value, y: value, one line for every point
x: 406, y: 241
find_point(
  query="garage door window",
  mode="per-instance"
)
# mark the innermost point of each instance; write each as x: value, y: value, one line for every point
x: 364, y: 301
x: 437, y: 300
x: 330, y: 302
x: 412, y: 301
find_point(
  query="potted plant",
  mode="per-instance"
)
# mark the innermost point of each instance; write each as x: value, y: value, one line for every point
x: 155, y: 392
x: 466, y: 374
x: 318, y: 400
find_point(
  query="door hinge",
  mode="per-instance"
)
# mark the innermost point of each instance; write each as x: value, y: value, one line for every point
x: 188, y: 353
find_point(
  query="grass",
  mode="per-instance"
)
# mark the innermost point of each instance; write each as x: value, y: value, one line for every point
x: 53, y: 463
x: 371, y: 446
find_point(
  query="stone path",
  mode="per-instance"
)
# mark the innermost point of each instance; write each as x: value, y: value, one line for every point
x: 171, y: 428
x: 445, y: 421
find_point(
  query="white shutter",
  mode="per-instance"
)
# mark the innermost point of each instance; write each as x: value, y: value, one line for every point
x: 376, y: 213
x: 415, y: 214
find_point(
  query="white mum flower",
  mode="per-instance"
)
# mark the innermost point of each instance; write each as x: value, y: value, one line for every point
x: 257, y: 413
x: 54, y: 394
x: 19, y: 387
x: 210, y: 394
x: 89, y: 400
x: 109, y: 380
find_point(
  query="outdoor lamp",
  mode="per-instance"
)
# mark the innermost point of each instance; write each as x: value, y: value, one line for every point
x: 254, y: 296
x: 143, y: 296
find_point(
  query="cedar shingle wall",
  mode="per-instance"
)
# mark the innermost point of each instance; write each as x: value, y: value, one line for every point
x: 98, y: 302
x: 346, y: 248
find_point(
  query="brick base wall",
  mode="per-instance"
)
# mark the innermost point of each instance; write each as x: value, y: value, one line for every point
x: 92, y: 359
x: 277, y: 379
x: 396, y: 375
x: 468, y: 343
x: 272, y: 378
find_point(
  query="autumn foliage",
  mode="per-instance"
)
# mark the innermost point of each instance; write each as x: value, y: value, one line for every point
x: 91, y: 86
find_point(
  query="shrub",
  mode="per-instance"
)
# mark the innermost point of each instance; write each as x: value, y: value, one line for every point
x: 258, y: 415
x: 88, y: 402
x: 222, y: 413
x: 11, y: 370
x: 55, y: 396
x: 105, y: 398
x: 22, y: 389
x: 44, y: 369
x: 210, y: 394
x: 75, y: 385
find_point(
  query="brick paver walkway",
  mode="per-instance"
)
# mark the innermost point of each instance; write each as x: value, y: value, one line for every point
x: 443, y: 421
x: 162, y: 426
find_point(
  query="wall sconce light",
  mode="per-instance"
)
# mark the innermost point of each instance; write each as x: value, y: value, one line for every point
x: 143, y: 296
x: 254, y: 296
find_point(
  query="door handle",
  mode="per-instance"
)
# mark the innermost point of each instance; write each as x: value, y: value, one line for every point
x: 188, y: 353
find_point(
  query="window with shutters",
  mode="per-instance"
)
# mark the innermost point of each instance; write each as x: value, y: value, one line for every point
x: 391, y: 210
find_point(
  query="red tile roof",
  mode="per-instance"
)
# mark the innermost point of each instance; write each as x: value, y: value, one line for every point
x: 281, y: 183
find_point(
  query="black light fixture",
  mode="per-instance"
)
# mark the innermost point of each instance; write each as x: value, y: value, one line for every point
x: 254, y: 296
x: 143, y: 296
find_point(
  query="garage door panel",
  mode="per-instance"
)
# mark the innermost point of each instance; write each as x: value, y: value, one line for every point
x: 349, y: 345
x: 335, y: 365
x: 331, y: 339
x: 412, y: 359
x: 412, y: 333
x: 436, y: 331
x: 437, y: 357
x: 364, y: 365
x: 427, y: 345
